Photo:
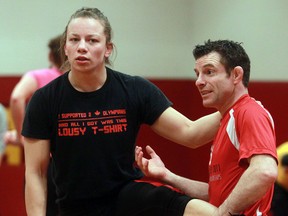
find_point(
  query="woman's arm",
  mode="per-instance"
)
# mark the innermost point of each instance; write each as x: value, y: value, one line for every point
x: 37, y: 153
x: 174, y: 126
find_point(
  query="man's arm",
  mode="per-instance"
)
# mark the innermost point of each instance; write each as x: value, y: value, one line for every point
x: 155, y: 168
x: 174, y: 126
x: 253, y: 184
x: 36, y: 161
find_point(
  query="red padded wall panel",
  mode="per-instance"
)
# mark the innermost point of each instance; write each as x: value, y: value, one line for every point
x: 191, y: 163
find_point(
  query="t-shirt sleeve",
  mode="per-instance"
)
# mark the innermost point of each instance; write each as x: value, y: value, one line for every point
x: 36, y: 121
x: 257, y: 133
x: 153, y: 101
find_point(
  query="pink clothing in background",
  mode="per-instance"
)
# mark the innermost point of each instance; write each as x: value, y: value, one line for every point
x: 44, y: 76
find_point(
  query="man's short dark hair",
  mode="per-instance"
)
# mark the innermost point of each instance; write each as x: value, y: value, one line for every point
x: 232, y: 54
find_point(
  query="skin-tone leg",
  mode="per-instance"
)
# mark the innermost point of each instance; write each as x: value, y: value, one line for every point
x: 198, y: 207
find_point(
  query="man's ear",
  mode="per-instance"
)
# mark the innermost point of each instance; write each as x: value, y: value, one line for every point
x: 237, y: 74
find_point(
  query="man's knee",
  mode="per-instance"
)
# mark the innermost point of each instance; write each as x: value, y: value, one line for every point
x: 199, y: 208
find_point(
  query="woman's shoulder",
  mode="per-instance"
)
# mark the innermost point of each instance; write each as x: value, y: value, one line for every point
x: 127, y: 78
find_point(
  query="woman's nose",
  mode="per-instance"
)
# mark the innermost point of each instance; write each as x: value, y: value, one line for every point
x: 82, y: 45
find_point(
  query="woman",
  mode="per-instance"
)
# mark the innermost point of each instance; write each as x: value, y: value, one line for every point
x: 89, y: 118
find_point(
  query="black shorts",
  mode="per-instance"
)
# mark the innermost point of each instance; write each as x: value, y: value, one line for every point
x: 145, y: 198
x: 89, y: 207
x: 137, y: 198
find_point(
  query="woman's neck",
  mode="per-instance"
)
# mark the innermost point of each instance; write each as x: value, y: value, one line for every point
x: 87, y: 82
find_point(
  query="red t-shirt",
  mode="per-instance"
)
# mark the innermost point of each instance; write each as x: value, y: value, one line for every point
x: 246, y: 129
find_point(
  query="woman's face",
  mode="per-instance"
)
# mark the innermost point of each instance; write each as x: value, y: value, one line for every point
x: 86, y: 46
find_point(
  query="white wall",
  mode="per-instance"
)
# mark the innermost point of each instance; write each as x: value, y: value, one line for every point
x: 260, y: 24
x: 154, y: 38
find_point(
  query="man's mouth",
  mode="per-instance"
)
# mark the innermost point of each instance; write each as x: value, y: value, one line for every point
x: 204, y: 93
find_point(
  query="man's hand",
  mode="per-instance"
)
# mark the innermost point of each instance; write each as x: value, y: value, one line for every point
x: 153, y: 167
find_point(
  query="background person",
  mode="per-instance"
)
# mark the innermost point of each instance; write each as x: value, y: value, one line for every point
x: 28, y: 84
x: 243, y: 159
x: 21, y: 94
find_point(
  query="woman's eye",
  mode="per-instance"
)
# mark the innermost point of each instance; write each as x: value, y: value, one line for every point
x: 93, y: 40
x: 73, y: 39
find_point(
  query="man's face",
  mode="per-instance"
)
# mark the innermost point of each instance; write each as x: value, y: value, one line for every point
x: 214, y: 84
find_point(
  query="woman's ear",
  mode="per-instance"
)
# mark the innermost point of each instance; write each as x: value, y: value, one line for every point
x: 109, y: 49
x: 64, y: 47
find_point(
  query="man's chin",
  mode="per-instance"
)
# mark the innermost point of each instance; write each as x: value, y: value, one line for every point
x: 207, y: 105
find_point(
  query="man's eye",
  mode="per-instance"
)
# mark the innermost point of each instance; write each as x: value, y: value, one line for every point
x: 210, y: 72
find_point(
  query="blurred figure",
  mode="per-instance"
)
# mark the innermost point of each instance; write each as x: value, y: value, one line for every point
x: 3, y: 129
x: 279, y: 205
x: 21, y: 94
x: 28, y: 84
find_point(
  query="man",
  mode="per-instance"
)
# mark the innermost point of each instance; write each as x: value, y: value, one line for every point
x: 243, y: 159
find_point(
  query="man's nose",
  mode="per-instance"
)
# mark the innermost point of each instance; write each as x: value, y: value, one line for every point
x: 200, y: 80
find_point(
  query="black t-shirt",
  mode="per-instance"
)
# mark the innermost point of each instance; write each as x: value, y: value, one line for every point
x: 93, y: 134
